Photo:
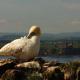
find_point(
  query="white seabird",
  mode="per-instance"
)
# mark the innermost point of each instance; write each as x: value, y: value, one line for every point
x: 26, y: 47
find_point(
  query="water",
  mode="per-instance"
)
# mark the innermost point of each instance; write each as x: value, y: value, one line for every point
x: 60, y: 58
x: 7, y: 57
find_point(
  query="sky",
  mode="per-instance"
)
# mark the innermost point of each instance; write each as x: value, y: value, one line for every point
x: 53, y: 16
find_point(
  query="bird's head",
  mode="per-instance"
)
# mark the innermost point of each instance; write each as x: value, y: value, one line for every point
x: 34, y: 31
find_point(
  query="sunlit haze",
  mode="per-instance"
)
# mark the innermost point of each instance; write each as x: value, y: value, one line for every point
x: 53, y: 16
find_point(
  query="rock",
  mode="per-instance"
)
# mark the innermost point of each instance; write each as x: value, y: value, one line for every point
x: 13, y: 75
x: 76, y: 63
x: 53, y: 73
x: 52, y: 63
x: 32, y: 66
x: 39, y: 69
x: 6, y: 64
x: 69, y: 70
x: 67, y: 76
x: 35, y: 76
x: 52, y: 69
x: 40, y: 60
x: 78, y: 74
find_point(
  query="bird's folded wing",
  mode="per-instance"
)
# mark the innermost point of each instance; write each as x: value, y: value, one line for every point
x: 12, y: 48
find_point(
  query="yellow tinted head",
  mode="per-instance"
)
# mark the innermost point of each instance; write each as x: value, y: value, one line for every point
x: 35, y: 29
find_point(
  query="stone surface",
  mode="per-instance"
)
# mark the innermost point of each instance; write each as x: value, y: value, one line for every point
x: 32, y: 65
x: 13, y: 75
x: 78, y: 74
x: 53, y: 73
x: 6, y: 64
x: 39, y: 69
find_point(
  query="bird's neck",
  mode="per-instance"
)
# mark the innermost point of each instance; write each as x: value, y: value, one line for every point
x: 35, y: 39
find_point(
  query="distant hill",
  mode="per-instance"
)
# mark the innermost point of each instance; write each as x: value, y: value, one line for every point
x: 46, y: 36
x: 10, y: 36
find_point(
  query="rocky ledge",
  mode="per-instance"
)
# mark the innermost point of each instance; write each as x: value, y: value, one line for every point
x: 39, y: 69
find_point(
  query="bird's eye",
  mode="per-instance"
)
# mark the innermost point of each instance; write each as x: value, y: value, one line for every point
x: 32, y: 34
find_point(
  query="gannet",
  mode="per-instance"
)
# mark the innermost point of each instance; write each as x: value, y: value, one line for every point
x: 24, y: 48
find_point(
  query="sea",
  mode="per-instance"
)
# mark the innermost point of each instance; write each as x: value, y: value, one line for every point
x: 62, y: 58
x: 59, y: 58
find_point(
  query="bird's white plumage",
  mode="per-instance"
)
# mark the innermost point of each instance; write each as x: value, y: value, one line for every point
x: 23, y: 48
